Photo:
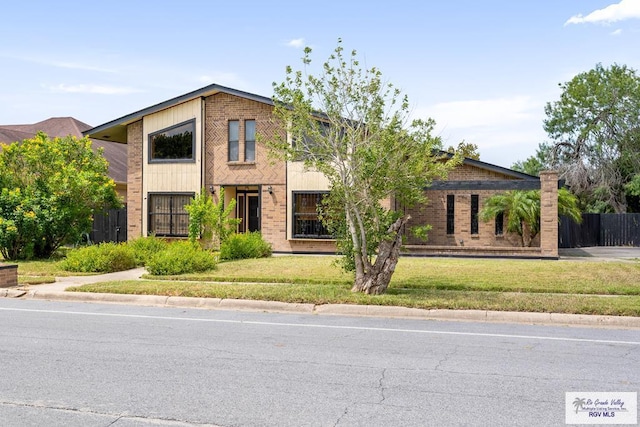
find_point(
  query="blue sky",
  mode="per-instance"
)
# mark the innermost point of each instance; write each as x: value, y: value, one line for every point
x: 482, y: 69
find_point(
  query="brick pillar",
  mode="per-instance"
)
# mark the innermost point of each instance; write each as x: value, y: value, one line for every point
x: 134, y: 180
x: 8, y: 275
x: 549, y: 214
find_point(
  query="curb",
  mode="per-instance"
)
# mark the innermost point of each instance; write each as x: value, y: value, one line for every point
x: 557, y: 319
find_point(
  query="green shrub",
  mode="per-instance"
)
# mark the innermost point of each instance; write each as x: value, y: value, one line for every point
x: 146, y: 247
x: 245, y: 245
x: 180, y: 258
x: 102, y: 258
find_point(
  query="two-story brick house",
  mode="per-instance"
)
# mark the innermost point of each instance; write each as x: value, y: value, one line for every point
x: 208, y: 139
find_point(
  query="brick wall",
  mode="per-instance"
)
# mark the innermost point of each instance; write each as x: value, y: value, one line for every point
x: 263, y: 173
x: 221, y: 108
x: 8, y: 276
x: 134, y: 180
x: 435, y: 214
x: 549, y: 214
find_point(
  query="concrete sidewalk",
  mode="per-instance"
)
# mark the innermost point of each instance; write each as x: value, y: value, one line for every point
x: 63, y: 283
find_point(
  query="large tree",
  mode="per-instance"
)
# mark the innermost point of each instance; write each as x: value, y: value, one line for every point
x: 49, y: 190
x: 595, y: 133
x: 535, y: 164
x: 352, y: 126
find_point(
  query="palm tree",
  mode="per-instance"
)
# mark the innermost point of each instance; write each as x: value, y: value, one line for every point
x: 522, y: 211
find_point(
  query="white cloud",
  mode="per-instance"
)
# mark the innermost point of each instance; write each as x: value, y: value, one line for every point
x: 484, y: 112
x: 78, y: 66
x: 297, y: 43
x: 92, y: 89
x: 62, y: 64
x: 626, y: 9
x: 617, y: 32
x: 504, y: 129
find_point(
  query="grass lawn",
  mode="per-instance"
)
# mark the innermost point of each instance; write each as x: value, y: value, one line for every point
x: 40, y: 271
x: 610, y: 288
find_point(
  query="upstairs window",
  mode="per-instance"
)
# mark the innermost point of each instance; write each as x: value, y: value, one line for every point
x: 234, y: 143
x: 306, y: 221
x: 307, y: 145
x: 249, y: 140
x: 173, y: 144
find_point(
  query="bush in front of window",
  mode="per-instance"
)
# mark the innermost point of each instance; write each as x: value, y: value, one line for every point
x: 181, y: 257
x: 146, y: 247
x: 245, y: 245
x: 102, y: 258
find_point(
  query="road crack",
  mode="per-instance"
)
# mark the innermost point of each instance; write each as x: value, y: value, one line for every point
x: 117, y: 417
x: 381, y: 386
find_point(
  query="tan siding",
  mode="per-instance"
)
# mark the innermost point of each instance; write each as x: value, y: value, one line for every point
x: 172, y: 177
x: 300, y: 179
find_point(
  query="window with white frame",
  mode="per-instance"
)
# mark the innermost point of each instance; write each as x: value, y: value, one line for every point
x: 234, y: 142
x: 249, y: 140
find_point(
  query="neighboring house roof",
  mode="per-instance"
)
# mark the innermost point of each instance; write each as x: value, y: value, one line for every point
x: 116, y: 154
x: 7, y: 136
x: 116, y: 130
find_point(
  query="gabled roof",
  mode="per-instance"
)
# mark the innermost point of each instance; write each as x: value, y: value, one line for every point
x: 58, y: 127
x: 494, y: 168
x: 499, y: 169
x: 116, y: 130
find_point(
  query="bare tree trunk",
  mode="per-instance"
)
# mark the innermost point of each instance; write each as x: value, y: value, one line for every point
x: 376, y: 279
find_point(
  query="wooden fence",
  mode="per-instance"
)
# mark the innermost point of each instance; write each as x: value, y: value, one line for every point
x: 600, y: 230
x: 110, y: 226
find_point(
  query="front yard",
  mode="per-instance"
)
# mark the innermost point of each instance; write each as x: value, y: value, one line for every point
x: 565, y: 286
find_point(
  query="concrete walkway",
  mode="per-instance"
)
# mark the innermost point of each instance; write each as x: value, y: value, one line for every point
x: 56, y: 291
x: 602, y: 253
x: 63, y: 283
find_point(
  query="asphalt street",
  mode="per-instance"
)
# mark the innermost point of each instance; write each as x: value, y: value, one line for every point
x: 78, y: 364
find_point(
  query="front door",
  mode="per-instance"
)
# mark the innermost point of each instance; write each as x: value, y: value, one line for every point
x: 248, y: 210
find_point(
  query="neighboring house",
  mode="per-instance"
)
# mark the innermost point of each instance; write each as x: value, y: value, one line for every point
x: 207, y: 139
x: 114, y: 153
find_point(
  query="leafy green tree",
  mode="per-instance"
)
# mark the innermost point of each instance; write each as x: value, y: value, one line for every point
x: 521, y: 210
x: 350, y: 125
x: 533, y: 165
x: 466, y: 149
x: 209, y: 221
x: 595, y: 133
x: 50, y: 189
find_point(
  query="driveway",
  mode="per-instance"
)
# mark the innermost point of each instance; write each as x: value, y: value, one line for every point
x: 601, y: 253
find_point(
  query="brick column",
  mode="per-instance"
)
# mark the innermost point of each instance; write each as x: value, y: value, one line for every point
x: 549, y: 214
x: 134, y: 180
x: 8, y: 275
